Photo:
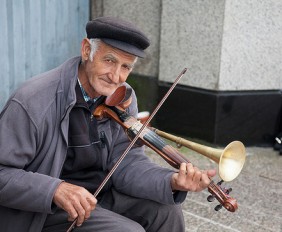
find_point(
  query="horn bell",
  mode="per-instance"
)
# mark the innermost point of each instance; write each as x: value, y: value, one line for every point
x: 231, y: 161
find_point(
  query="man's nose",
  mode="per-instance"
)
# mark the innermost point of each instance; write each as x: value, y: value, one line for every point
x: 116, y: 74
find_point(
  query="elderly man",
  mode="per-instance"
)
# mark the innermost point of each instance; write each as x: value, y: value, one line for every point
x: 55, y: 154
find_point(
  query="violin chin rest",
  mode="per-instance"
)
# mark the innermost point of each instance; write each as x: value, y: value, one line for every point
x: 121, y: 97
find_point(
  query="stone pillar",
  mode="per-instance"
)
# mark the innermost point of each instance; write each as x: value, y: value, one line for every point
x: 233, y: 52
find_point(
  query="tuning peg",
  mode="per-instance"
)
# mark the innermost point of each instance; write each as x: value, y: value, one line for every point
x: 218, y: 207
x: 220, y: 182
x: 210, y: 198
x: 228, y: 190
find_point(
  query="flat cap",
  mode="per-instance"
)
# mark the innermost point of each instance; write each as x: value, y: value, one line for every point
x: 119, y: 34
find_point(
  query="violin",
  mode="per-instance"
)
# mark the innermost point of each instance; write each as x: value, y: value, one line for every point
x: 148, y: 137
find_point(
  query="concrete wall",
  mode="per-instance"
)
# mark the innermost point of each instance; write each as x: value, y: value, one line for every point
x: 225, y: 44
x: 191, y: 36
x: 233, y: 52
x: 251, y: 54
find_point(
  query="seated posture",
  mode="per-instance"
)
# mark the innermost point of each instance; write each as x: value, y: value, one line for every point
x: 55, y: 154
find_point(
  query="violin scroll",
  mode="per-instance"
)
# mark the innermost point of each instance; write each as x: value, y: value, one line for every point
x: 222, y: 195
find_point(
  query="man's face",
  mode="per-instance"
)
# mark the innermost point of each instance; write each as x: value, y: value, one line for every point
x: 108, y: 70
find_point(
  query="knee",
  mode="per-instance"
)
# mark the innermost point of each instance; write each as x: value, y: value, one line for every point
x: 129, y: 227
x: 171, y: 211
x: 170, y: 218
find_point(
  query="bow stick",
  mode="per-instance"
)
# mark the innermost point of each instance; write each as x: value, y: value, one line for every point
x: 133, y: 141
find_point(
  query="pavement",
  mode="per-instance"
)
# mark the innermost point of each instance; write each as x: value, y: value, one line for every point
x: 258, y: 191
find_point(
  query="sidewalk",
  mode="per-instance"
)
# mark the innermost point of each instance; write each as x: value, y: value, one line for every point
x: 258, y: 191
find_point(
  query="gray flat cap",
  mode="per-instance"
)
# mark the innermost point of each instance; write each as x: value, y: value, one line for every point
x: 119, y: 34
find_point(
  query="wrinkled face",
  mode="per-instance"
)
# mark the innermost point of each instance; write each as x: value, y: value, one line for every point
x: 108, y: 70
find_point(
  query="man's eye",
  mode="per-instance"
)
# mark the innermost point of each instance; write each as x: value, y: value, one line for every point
x: 126, y: 67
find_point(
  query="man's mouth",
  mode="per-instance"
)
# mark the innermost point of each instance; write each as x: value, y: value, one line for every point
x: 107, y: 80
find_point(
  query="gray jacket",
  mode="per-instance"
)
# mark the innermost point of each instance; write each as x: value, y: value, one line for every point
x: 33, y: 144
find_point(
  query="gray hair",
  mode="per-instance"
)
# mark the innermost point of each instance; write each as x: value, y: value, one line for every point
x: 94, y: 43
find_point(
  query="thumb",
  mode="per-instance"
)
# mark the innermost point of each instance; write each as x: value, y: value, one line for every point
x: 211, y: 173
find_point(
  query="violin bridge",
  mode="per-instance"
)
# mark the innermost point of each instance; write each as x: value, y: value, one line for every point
x: 136, y: 127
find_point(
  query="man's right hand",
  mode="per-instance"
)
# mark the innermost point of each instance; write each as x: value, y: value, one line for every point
x: 76, y: 201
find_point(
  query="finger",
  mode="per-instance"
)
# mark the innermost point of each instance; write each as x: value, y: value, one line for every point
x: 205, y: 181
x: 88, y: 204
x: 182, y: 170
x: 92, y: 201
x: 72, y: 214
x: 197, y: 175
x: 93, y: 205
x: 211, y: 173
x: 190, y: 171
x: 80, y: 212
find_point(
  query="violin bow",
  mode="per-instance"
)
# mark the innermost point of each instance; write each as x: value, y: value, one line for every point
x: 133, y: 141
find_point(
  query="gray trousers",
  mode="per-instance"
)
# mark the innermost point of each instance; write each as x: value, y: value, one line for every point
x: 117, y: 212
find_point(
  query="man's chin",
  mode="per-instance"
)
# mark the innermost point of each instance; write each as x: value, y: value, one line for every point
x: 108, y: 92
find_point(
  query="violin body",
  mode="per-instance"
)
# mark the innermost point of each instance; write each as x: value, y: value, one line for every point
x: 171, y: 155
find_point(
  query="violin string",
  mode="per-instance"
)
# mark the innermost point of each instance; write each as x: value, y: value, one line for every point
x: 159, y: 143
x: 151, y: 137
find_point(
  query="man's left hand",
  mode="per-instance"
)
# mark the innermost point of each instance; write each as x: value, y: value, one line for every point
x: 190, y: 178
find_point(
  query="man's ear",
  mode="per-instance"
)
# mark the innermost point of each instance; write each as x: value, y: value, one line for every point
x: 85, y: 49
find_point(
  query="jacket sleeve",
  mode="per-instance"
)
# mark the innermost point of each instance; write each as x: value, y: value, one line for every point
x: 19, y: 187
x: 137, y: 175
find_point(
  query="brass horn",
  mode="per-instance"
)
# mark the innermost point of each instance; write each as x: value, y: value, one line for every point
x: 230, y: 160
